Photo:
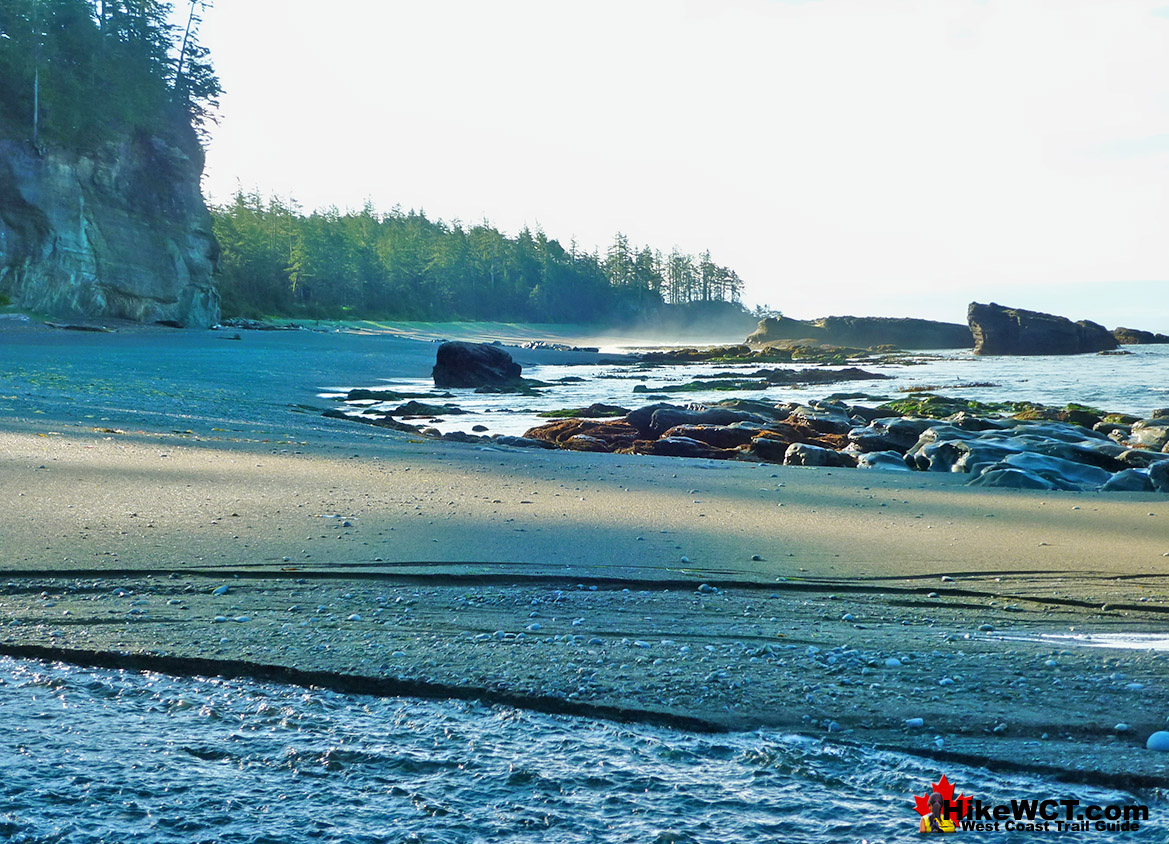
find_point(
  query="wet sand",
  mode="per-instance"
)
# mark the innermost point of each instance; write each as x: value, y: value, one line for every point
x: 146, y: 468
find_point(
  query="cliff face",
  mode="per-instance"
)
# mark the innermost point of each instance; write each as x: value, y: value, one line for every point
x: 862, y: 332
x: 123, y: 232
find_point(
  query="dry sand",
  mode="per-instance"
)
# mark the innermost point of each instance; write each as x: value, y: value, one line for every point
x: 143, y: 469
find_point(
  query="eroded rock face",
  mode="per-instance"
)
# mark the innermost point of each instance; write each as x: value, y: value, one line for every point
x: 122, y: 233
x: 1137, y: 337
x: 999, y: 330
x: 473, y: 365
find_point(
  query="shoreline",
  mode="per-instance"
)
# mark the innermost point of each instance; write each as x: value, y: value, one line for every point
x: 166, y: 464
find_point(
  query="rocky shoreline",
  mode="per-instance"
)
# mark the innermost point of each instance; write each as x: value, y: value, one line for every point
x: 171, y: 511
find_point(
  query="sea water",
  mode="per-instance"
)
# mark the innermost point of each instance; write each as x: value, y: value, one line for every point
x: 97, y: 755
x: 1136, y: 383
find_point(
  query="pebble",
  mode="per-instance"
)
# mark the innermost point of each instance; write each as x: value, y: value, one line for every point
x: 241, y: 619
x: 222, y: 590
x: 534, y: 626
x: 353, y: 617
x: 914, y: 723
x: 1158, y: 741
x: 986, y: 628
x: 704, y: 588
x: 892, y: 662
x: 847, y: 617
x: 219, y: 619
x: 1001, y: 728
x: 946, y: 681
x: 685, y: 560
x: 1121, y: 727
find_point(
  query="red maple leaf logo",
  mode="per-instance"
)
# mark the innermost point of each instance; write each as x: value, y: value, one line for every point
x: 954, y: 808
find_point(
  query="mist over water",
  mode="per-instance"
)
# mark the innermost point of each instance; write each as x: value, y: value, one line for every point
x: 102, y: 756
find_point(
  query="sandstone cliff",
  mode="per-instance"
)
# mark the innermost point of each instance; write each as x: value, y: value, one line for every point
x: 122, y: 232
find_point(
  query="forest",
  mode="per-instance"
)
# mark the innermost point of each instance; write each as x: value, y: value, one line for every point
x: 82, y: 75
x: 278, y: 260
x: 77, y: 74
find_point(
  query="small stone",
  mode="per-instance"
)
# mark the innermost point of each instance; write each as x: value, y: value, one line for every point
x: 755, y: 558
x: 685, y: 560
x: 914, y: 723
x: 1001, y: 727
x: 1158, y: 741
x: 534, y: 626
x: 706, y: 588
x: 222, y: 590
x: 939, y: 742
x: 353, y: 617
x: 637, y: 643
x: 986, y: 628
x: 946, y: 681
x: 242, y: 619
x: 892, y: 662
x: 219, y: 619
x: 1121, y: 727
x: 947, y: 579
x: 833, y: 727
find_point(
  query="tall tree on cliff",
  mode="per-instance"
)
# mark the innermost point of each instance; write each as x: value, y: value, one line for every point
x: 78, y: 73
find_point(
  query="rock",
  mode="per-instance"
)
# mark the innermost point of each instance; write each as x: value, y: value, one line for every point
x: 890, y: 434
x: 522, y: 442
x: 1140, y: 458
x: 1159, y: 476
x: 863, y: 332
x: 1011, y: 479
x: 120, y: 232
x: 663, y: 419
x: 221, y: 590
x: 717, y: 436
x: 680, y: 447
x: 999, y: 330
x: 822, y: 417
x: 1129, y: 480
x: 1150, y: 433
x: 888, y: 461
x: 417, y: 408
x: 1066, y: 474
x: 1158, y: 741
x: 914, y: 723
x: 460, y: 364
x: 801, y: 454
x: 614, y: 434
x: 1136, y: 337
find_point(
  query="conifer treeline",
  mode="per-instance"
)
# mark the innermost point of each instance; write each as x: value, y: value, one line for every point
x: 278, y: 260
x: 77, y: 73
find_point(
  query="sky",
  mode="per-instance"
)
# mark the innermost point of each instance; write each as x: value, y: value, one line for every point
x: 869, y: 157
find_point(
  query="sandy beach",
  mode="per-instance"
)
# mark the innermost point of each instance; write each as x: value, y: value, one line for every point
x: 147, y: 468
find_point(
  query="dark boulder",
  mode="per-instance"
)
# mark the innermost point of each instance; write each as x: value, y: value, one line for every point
x: 473, y: 365
x: 1013, y: 331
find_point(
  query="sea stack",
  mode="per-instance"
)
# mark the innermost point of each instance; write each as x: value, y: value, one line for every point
x: 999, y: 330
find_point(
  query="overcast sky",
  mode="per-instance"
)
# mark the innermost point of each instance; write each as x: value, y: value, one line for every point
x: 880, y: 157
